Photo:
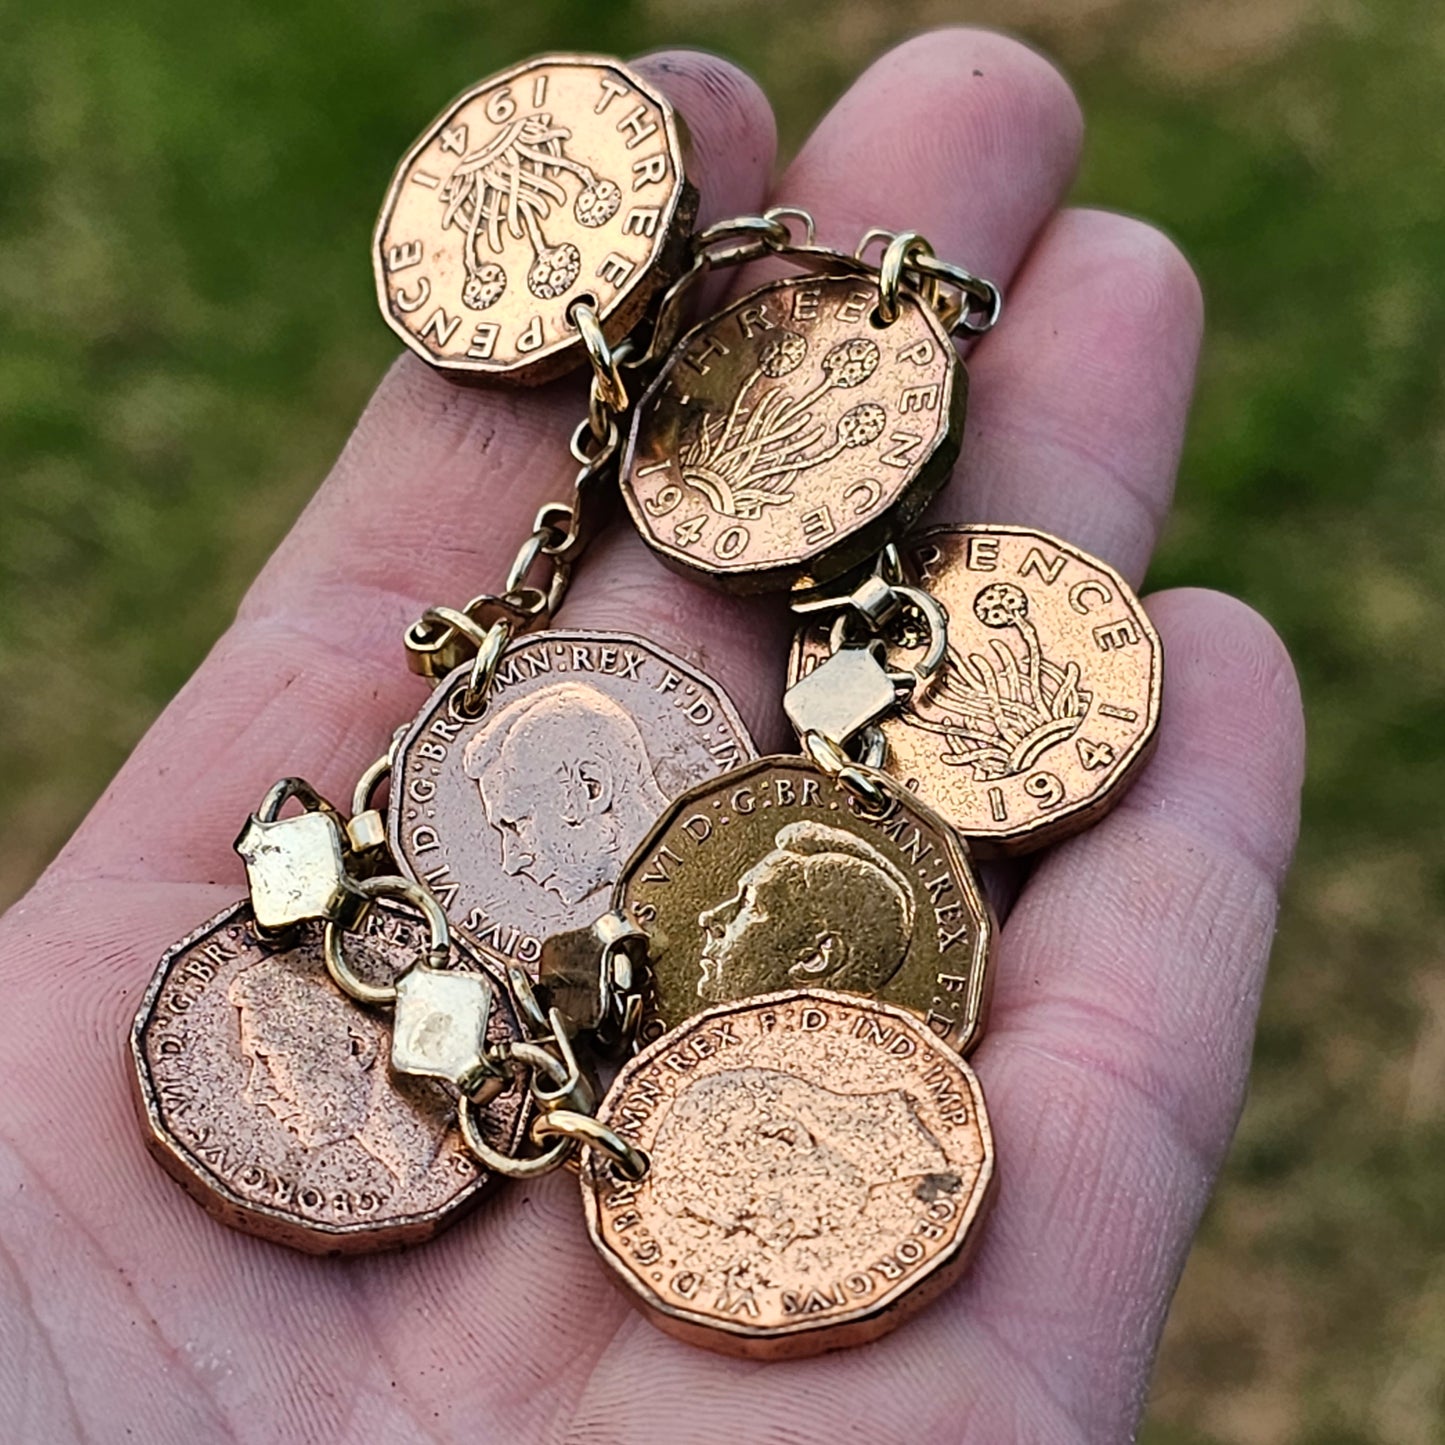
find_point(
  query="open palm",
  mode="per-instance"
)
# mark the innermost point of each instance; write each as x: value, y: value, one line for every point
x: 1129, y: 966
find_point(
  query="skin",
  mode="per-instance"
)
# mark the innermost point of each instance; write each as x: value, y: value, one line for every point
x: 1128, y: 974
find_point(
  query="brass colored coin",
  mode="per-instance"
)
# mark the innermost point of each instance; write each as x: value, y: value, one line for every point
x: 266, y: 1092
x: 1048, y: 702
x: 558, y: 180
x: 792, y: 434
x: 771, y: 877
x: 820, y: 1165
x: 519, y: 820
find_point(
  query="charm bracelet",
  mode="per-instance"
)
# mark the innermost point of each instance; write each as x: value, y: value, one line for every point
x: 581, y: 865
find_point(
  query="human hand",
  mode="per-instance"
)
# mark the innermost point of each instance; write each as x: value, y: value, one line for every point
x: 1127, y: 975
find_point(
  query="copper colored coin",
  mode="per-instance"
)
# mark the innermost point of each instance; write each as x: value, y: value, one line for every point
x: 819, y: 1168
x: 266, y: 1091
x: 791, y: 434
x: 1048, y: 702
x: 558, y: 180
x: 772, y: 877
x: 520, y: 820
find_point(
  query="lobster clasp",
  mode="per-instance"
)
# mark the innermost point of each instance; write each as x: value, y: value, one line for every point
x: 853, y: 687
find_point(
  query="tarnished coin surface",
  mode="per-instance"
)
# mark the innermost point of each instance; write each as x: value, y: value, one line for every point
x: 793, y: 433
x: 520, y: 820
x: 1048, y: 702
x: 266, y: 1091
x: 772, y: 877
x: 559, y: 180
x: 819, y: 1168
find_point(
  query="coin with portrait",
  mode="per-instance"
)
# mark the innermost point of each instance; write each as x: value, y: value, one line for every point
x: 818, y: 1164
x: 772, y: 877
x: 519, y: 819
x: 268, y: 1093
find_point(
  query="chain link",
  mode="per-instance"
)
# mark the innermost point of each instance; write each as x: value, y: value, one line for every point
x: 868, y: 786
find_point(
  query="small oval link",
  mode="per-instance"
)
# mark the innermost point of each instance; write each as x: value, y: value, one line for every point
x: 527, y: 554
x: 627, y: 1159
x: 438, y: 949
x: 866, y: 786
x: 606, y: 446
x: 605, y: 376
x: 526, y: 606
x: 870, y: 795
x: 985, y: 293
x: 558, y: 520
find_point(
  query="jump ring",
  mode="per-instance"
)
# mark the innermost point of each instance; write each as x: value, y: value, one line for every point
x: 797, y: 213
x: 485, y: 664
x: 606, y: 446
x: 937, y: 619
x: 499, y: 1163
x: 445, y: 620
x: 438, y: 949
x: 899, y: 254
x: 606, y: 379
x: 507, y: 1164
x: 592, y: 1133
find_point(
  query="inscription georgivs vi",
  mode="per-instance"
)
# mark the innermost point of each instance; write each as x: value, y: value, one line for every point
x: 267, y: 1093
x: 519, y: 821
x: 819, y: 1164
x: 554, y: 181
x: 789, y: 432
x: 1047, y: 704
x: 771, y: 877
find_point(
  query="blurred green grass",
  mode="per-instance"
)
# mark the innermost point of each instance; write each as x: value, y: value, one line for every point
x: 185, y: 198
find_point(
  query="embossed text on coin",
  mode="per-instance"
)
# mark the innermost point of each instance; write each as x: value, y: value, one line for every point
x: 520, y: 820
x: 791, y: 433
x: 771, y: 877
x: 1048, y: 702
x: 557, y: 180
x: 818, y: 1166
x: 267, y: 1093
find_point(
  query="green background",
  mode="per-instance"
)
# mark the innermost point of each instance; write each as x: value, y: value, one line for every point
x: 188, y: 333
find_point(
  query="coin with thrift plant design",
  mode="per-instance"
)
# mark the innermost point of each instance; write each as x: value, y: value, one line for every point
x: 1047, y: 703
x: 556, y: 182
x: 788, y: 435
